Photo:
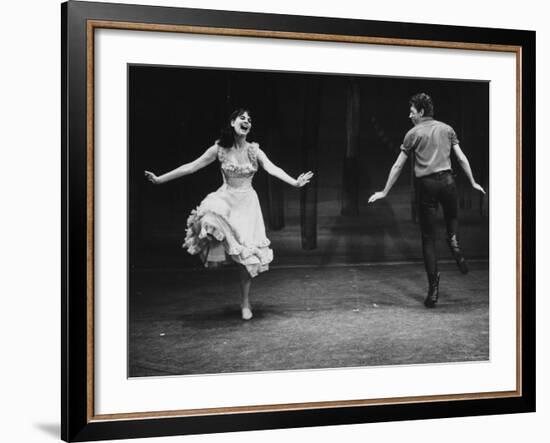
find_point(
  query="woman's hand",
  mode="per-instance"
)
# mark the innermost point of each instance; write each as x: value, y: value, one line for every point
x: 303, y: 179
x: 377, y: 196
x: 152, y: 178
x: 478, y: 187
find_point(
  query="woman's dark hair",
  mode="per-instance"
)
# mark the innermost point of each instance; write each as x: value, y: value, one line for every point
x: 227, y: 134
x: 424, y: 102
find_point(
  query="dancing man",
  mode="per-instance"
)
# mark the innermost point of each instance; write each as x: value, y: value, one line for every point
x: 430, y: 142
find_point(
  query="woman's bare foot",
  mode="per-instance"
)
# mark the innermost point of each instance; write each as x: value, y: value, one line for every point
x: 246, y: 312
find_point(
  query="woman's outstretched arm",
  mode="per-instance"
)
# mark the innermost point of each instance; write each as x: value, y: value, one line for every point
x: 189, y: 168
x: 302, y: 180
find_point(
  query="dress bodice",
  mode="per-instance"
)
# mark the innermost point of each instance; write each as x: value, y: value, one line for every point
x: 236, y: 174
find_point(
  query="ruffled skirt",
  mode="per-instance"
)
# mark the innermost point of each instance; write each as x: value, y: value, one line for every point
x: 228, y: 226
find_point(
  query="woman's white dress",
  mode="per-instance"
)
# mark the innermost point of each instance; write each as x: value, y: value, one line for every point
x: 228, y: 224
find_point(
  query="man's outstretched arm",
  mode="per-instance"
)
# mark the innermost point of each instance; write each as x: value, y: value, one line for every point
x: 465, y: 164
x: 394, y: 174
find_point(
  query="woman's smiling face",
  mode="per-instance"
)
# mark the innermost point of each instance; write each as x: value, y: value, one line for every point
x: 242, y: 124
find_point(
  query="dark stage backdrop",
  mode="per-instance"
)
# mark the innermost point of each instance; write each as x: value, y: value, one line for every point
x: 347, y: 129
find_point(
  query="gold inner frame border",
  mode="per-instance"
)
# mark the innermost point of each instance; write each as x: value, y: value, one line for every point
x: 92, y: 25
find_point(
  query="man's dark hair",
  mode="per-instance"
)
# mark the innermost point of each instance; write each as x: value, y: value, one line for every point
x: 422, y: 101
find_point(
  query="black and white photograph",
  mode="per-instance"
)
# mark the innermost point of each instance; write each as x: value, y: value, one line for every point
x: 275, y: 221
x: 295, y: 221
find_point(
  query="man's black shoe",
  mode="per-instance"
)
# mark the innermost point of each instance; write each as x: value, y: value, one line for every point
x: 433, y: 290
x: 457, y: 254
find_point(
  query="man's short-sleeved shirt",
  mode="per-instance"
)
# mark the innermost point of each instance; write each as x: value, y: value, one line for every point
x: 431, y: 142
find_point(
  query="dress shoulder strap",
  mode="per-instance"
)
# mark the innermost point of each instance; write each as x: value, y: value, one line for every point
x: 253, y: 152
x: 220, y: 152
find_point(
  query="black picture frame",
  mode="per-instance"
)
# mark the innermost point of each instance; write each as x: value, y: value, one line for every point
x: 78, y: 422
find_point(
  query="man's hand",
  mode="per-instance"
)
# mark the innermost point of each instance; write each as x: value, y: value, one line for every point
x: 377, y: 196
x: 479, y: 188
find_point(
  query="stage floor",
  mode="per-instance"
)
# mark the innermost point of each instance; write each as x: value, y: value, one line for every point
x: 332, y: 316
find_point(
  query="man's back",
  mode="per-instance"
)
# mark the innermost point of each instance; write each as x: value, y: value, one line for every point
x: 431, y: 141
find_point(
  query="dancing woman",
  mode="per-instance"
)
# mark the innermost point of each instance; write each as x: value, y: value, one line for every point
x: 430, y: 142
x: 228, y: 224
